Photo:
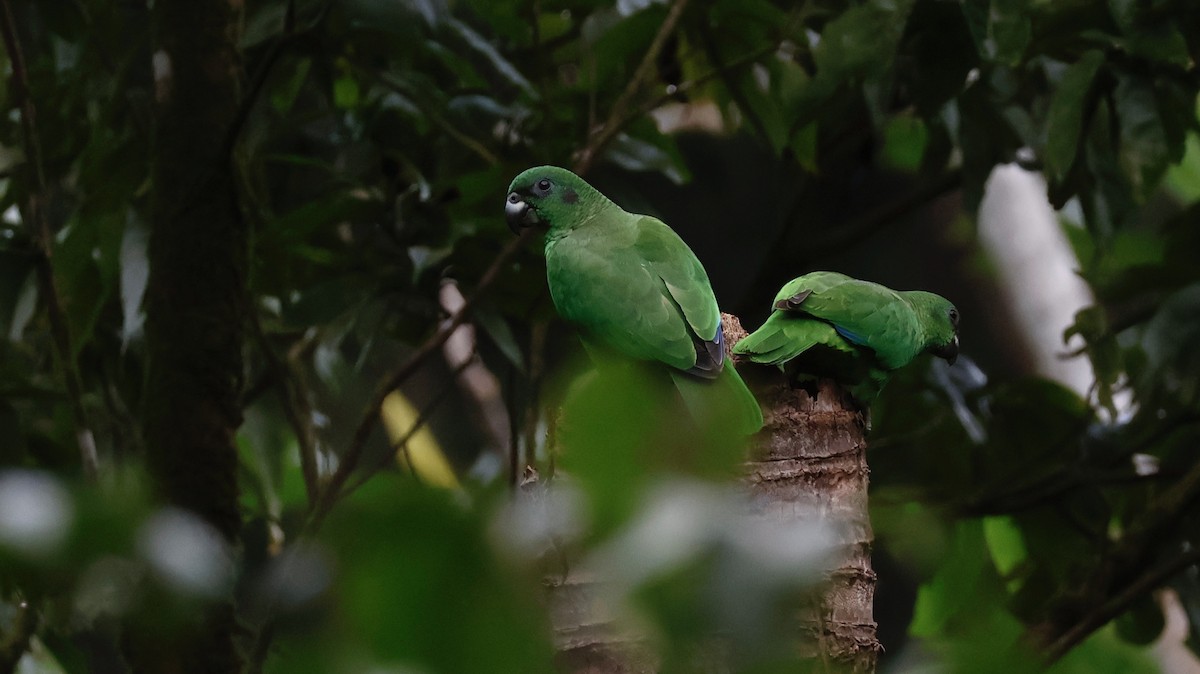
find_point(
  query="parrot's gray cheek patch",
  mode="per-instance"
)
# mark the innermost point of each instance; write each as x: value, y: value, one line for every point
x: 570, y: 196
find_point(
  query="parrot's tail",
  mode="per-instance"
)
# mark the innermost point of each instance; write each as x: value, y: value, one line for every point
x: 724, y: 402
x: 780, y: 339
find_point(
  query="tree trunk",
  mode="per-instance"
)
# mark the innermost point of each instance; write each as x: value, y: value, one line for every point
x: 196, y: 298
x: 812, y: 463
x: 809, y: 461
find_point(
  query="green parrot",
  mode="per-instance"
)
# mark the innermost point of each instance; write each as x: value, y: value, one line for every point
x: 634, y: 287
x: 829, y: 324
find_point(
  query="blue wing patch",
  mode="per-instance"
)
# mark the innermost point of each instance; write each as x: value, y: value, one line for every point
x: 850, y: 336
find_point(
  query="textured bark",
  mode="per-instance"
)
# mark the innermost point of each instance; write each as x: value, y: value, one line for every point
x: 813, y: 463
x: 587, y: 633
x: 809, y: 461
x: 196, y: 298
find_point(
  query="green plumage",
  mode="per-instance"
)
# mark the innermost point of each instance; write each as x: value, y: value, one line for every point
x: 858, y: 332
x: 632, y: 285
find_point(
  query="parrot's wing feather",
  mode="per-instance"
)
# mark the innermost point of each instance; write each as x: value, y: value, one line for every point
x: 685, y: 282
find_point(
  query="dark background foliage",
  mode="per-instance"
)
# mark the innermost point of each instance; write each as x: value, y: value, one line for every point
x: 373, y: 144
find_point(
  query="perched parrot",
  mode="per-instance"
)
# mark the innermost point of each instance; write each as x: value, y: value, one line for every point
x: 829, y: 324
x: 632, y: 286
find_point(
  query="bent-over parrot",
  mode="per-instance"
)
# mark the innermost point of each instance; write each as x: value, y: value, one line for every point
x: 632, y: 285
x: 857, y: 332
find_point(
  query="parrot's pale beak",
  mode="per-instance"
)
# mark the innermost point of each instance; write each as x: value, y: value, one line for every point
x: 949, y: 352
x: 518, y: 213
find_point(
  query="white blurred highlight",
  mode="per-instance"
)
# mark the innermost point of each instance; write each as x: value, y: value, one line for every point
x: 682, y: 520
x: 186, y: 553
x: 36, y: 512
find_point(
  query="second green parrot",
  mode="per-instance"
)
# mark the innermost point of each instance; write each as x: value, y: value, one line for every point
x: 633, y: 286
x: 829, y: 324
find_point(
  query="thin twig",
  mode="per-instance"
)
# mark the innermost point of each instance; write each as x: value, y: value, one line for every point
x: 43, y: 244
x: 617, y: 118
x: 420, y: 422
x: 720, y: 72
x: 295, y: 408
x: 1123, y: 560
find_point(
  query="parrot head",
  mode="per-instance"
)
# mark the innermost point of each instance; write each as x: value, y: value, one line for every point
x: 940, y: 319
x: 547, y: 195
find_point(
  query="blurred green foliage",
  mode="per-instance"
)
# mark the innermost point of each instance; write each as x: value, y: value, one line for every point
x: 376, y: 140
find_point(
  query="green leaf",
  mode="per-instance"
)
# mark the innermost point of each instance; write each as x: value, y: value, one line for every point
x: 1143, y: 151
x: 1007, y: 547
x: 1108, y: 203
x: 1102, y: 348
x: 1001, y: 28
x: 85, y: 269
x: 942, y: 51
x: 905, y: 138
x: 18, y: 294
x: 417, y: 582
x: 1009, y: 30
x: 289, y: 85
x: 346, y: 92
x: 635, y: 154
x: 860, y: 42
x: 492, y: 57
x: 1064, y: 124
x: 1142, y: 623
x: 497, y: 329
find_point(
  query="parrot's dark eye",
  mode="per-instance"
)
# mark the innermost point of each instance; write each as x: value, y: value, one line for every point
x: 543, y: 185
x: 954, y: 316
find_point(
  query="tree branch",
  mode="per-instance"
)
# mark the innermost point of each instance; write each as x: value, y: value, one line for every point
x: 43, y: 245
x: 1092, y: 604
x: 1119, y: 603
x: 349, y: 459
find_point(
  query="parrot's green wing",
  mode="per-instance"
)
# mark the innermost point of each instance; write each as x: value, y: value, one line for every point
x: 685, y: 282
x: 863, y: 313
x: 638, y: 289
